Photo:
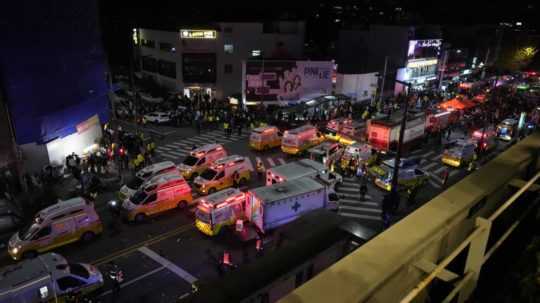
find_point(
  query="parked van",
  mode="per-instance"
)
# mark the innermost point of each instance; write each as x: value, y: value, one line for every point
x: 218, y: 210
x: 62, y: 223
x: 298, y: 140
x: 264, y: 138
x: 48, y: 278
x: 161, y: 193
x: 326, y: 153
x: 222, y: 174
x: 128, y: 189
x: 507, y: 130
x: 200, y: 159
x: 459, y: 153
x: 353, y: 132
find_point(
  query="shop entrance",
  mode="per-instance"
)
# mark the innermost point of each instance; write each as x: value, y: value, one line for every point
x: 193, y: 91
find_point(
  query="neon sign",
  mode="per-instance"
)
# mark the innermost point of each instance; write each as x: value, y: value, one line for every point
x: 198, y: 34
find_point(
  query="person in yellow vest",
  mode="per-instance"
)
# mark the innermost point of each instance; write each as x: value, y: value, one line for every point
x: 226, y: 127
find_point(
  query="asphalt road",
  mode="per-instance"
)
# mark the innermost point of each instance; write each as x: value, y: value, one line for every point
x: 162, y: 257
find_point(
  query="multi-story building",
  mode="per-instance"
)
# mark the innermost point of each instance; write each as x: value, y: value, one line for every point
x: 405, y: 53
x: 208, y: 59
x: 53, y: 82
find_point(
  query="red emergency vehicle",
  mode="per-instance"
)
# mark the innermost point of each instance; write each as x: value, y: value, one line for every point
x: 439, y: 119
x: 383, y: 133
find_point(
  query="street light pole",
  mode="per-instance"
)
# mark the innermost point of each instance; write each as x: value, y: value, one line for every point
x: 397, y: 160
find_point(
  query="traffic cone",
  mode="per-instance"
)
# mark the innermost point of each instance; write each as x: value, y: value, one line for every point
x: 226, y: 258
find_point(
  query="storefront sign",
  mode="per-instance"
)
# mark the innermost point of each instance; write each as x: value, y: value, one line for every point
x: 286, y: 80
x: 83, y: 126
x: 198, y: 34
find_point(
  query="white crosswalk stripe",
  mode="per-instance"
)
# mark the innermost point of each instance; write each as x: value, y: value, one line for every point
x: 439, y: 170
x: 430, y: 165
x: 349, y: 183
x: 426, y: 155
x: 281, y: 161
x: 453, y: 172
x: 181, y: 147
x: 271, y: 162
x: 435, y: 184
x: 365, y: 209
x: 358, y: 216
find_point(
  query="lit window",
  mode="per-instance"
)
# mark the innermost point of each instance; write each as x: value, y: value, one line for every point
x: 256, y: 53
x: 228, y: 48
x: 337, y: 20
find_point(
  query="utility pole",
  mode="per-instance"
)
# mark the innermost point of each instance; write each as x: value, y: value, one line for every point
x: 394, y: 189
x: 383, y: 78
x: 443, y: 67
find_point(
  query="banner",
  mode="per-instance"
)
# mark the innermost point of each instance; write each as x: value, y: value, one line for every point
x: 286, y: 80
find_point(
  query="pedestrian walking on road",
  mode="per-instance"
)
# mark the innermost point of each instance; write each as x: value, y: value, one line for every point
x: 363, y: 189
x: 117, y: 277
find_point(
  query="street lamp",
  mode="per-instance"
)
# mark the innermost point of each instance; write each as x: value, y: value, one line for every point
x: 393, y: 190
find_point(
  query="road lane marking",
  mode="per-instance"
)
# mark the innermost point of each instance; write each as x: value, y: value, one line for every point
x: 427, y: 154
x: 439, y: 170
x: 128, y: 283
x: 453, y: 172
x: 430, y: 165
x: 434, y: 184
x: 168, y: 264
x: 357, y: 216
x: 357, y: 208
x: 134, y: 247
x: 350, y: 183
x: 271, y: 162
x: 281, y: 160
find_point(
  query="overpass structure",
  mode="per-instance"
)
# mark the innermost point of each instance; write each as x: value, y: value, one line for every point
x: 448, y: 239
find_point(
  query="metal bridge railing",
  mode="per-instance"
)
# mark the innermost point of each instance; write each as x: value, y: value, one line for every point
x: 477, y: 255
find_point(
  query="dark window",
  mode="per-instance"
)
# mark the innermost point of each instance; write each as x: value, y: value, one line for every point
x: 228, y: 29
x: 167, y: 68
x: 45, y: 231
x: 221, y: 175
x: 151, y: 198
x: 148, y: 43
x: 75, y: 211
x: 228, y: 68
x: 65, y: 283
x: 202, y: 161
x: 299, y: 279
x: 78, y: 270
x: 199, y: 68
x: 58, y: 217
x: 168, y: 47
x: 149, y: 64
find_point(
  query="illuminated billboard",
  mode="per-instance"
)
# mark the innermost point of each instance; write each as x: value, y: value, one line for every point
x: 198, y: 34
x: 421, y: 49
x: 286, y: 80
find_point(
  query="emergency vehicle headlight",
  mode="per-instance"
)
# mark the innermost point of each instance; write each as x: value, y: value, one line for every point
x: 15, y: 250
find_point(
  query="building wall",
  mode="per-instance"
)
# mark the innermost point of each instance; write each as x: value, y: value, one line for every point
x: 357, y: 86
x: 244, y: 37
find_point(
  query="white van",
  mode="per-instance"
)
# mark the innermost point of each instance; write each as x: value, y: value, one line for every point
x: 62, y: 223
x: 222, y: 175
x: 200, y: 159
x: 128, y: 189
x: 160, y: 194
x: 47, y: 278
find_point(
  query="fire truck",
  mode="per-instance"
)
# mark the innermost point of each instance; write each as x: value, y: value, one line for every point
x: 440, y: 119
x: 261, y: 209
x: 383, y: 133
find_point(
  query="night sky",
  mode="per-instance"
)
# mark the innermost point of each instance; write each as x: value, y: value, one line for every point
x: 117, y: 19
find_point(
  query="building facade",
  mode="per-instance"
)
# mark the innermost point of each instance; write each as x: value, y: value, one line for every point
x: 405, y: 53
x: 53, y: 83
x: 208, y: 59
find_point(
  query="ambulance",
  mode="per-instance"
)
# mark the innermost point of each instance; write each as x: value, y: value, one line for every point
x: 127, y: 190
x: 264, y: 138
x: 361, y: 151
x: 353, y: 132
x: 459, y: 153
x: 160, y: 194
x: 218, y: 210
x: 263, y: 208
x: 298, y: 140
x: 303, y: 168
x: 224, y: 173
x: 334, y: 128
x: 326, y: 153
x: 410, y: 176
x: 57, y: 225
x: 200, y: 159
